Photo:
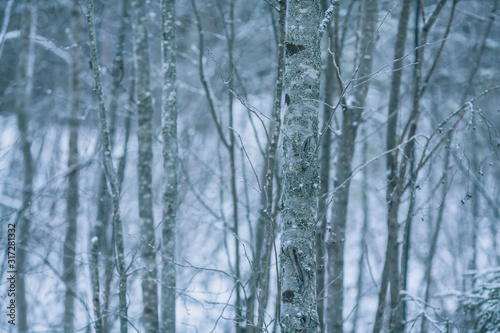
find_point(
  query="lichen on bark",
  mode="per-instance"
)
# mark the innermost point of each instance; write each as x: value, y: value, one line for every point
x: 300, y: 168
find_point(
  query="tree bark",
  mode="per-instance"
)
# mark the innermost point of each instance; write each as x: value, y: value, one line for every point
x: 69, y: 268
x: 96, y: 286
x: 25, y: 68
x: 300, y: 168
x: 170, y: 166
x: 144, y: 166
x: 110, y: 172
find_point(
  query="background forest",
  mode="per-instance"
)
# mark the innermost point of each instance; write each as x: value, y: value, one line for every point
x: 141, y: 154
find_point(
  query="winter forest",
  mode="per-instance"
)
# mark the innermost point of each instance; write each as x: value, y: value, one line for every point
x: 250, y: 166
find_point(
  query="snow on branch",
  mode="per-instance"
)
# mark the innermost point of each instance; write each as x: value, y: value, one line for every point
x: 328, y: 16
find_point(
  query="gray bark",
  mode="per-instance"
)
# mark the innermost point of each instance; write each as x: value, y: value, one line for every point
x: 23, y: 222
x: 350, y: 123
x: 94, y: 276
x: 110, y: 172
x: 391, y: 161
x: 69, y: 268
x: 300, y: 168
x: 144, y: 165
x: 170, y: 166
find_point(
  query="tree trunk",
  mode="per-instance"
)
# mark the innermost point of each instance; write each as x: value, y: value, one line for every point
x: 269, y: 220
x: 144, y: 166
x: 399, y: 276
x: 300, y: 168
x: 391, y: 161
x: 23, y: 222
x: 96, y: 286
x: 324, y: 168
x: 69, y: 273
x: 364, y: 232
x: 350, y: 123
x: 435, y: 235
x: 110, y: 172
x: 170, y: 166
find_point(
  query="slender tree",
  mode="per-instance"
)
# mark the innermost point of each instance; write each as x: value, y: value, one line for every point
x: 391, y: 160
x: 324, y: 161
x: 170, y: 165
x: 300, y: 168
x: 69, y: 267
x: 398, y: 275
x: 228, y: 142
x: 110, y: 172
x: 351, y: 118
x: 144, y: 165
x: 23, y: 220
x: 270, y: 217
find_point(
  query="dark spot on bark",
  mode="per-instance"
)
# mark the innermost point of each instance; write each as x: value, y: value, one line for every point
x: 287, y: 99
x: 288, y: 296
x: 291, y: 49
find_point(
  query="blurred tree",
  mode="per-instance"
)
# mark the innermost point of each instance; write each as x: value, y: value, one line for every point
x: 144, y: 165
x: 69, y: 265
x: 25, y: 67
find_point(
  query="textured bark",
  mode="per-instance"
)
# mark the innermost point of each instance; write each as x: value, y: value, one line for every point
x: 391, y: 162
x: 110, y: 172
x: 170, y: 166
x: 350, y: 123
x: 300, y: 168
x: 23, y: 222
x: 144, y: 166
x: 270, y: 221
x: 94, y: 275
x: 69, y: 268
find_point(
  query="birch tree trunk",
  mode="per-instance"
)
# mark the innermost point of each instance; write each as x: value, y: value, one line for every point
x: 350, y: 123
x: 110, y: 172
x: 23, y: 222
x: 300, y: 168
x: 170, y: 165
x: 69, y: 273
x: 144, y: 165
